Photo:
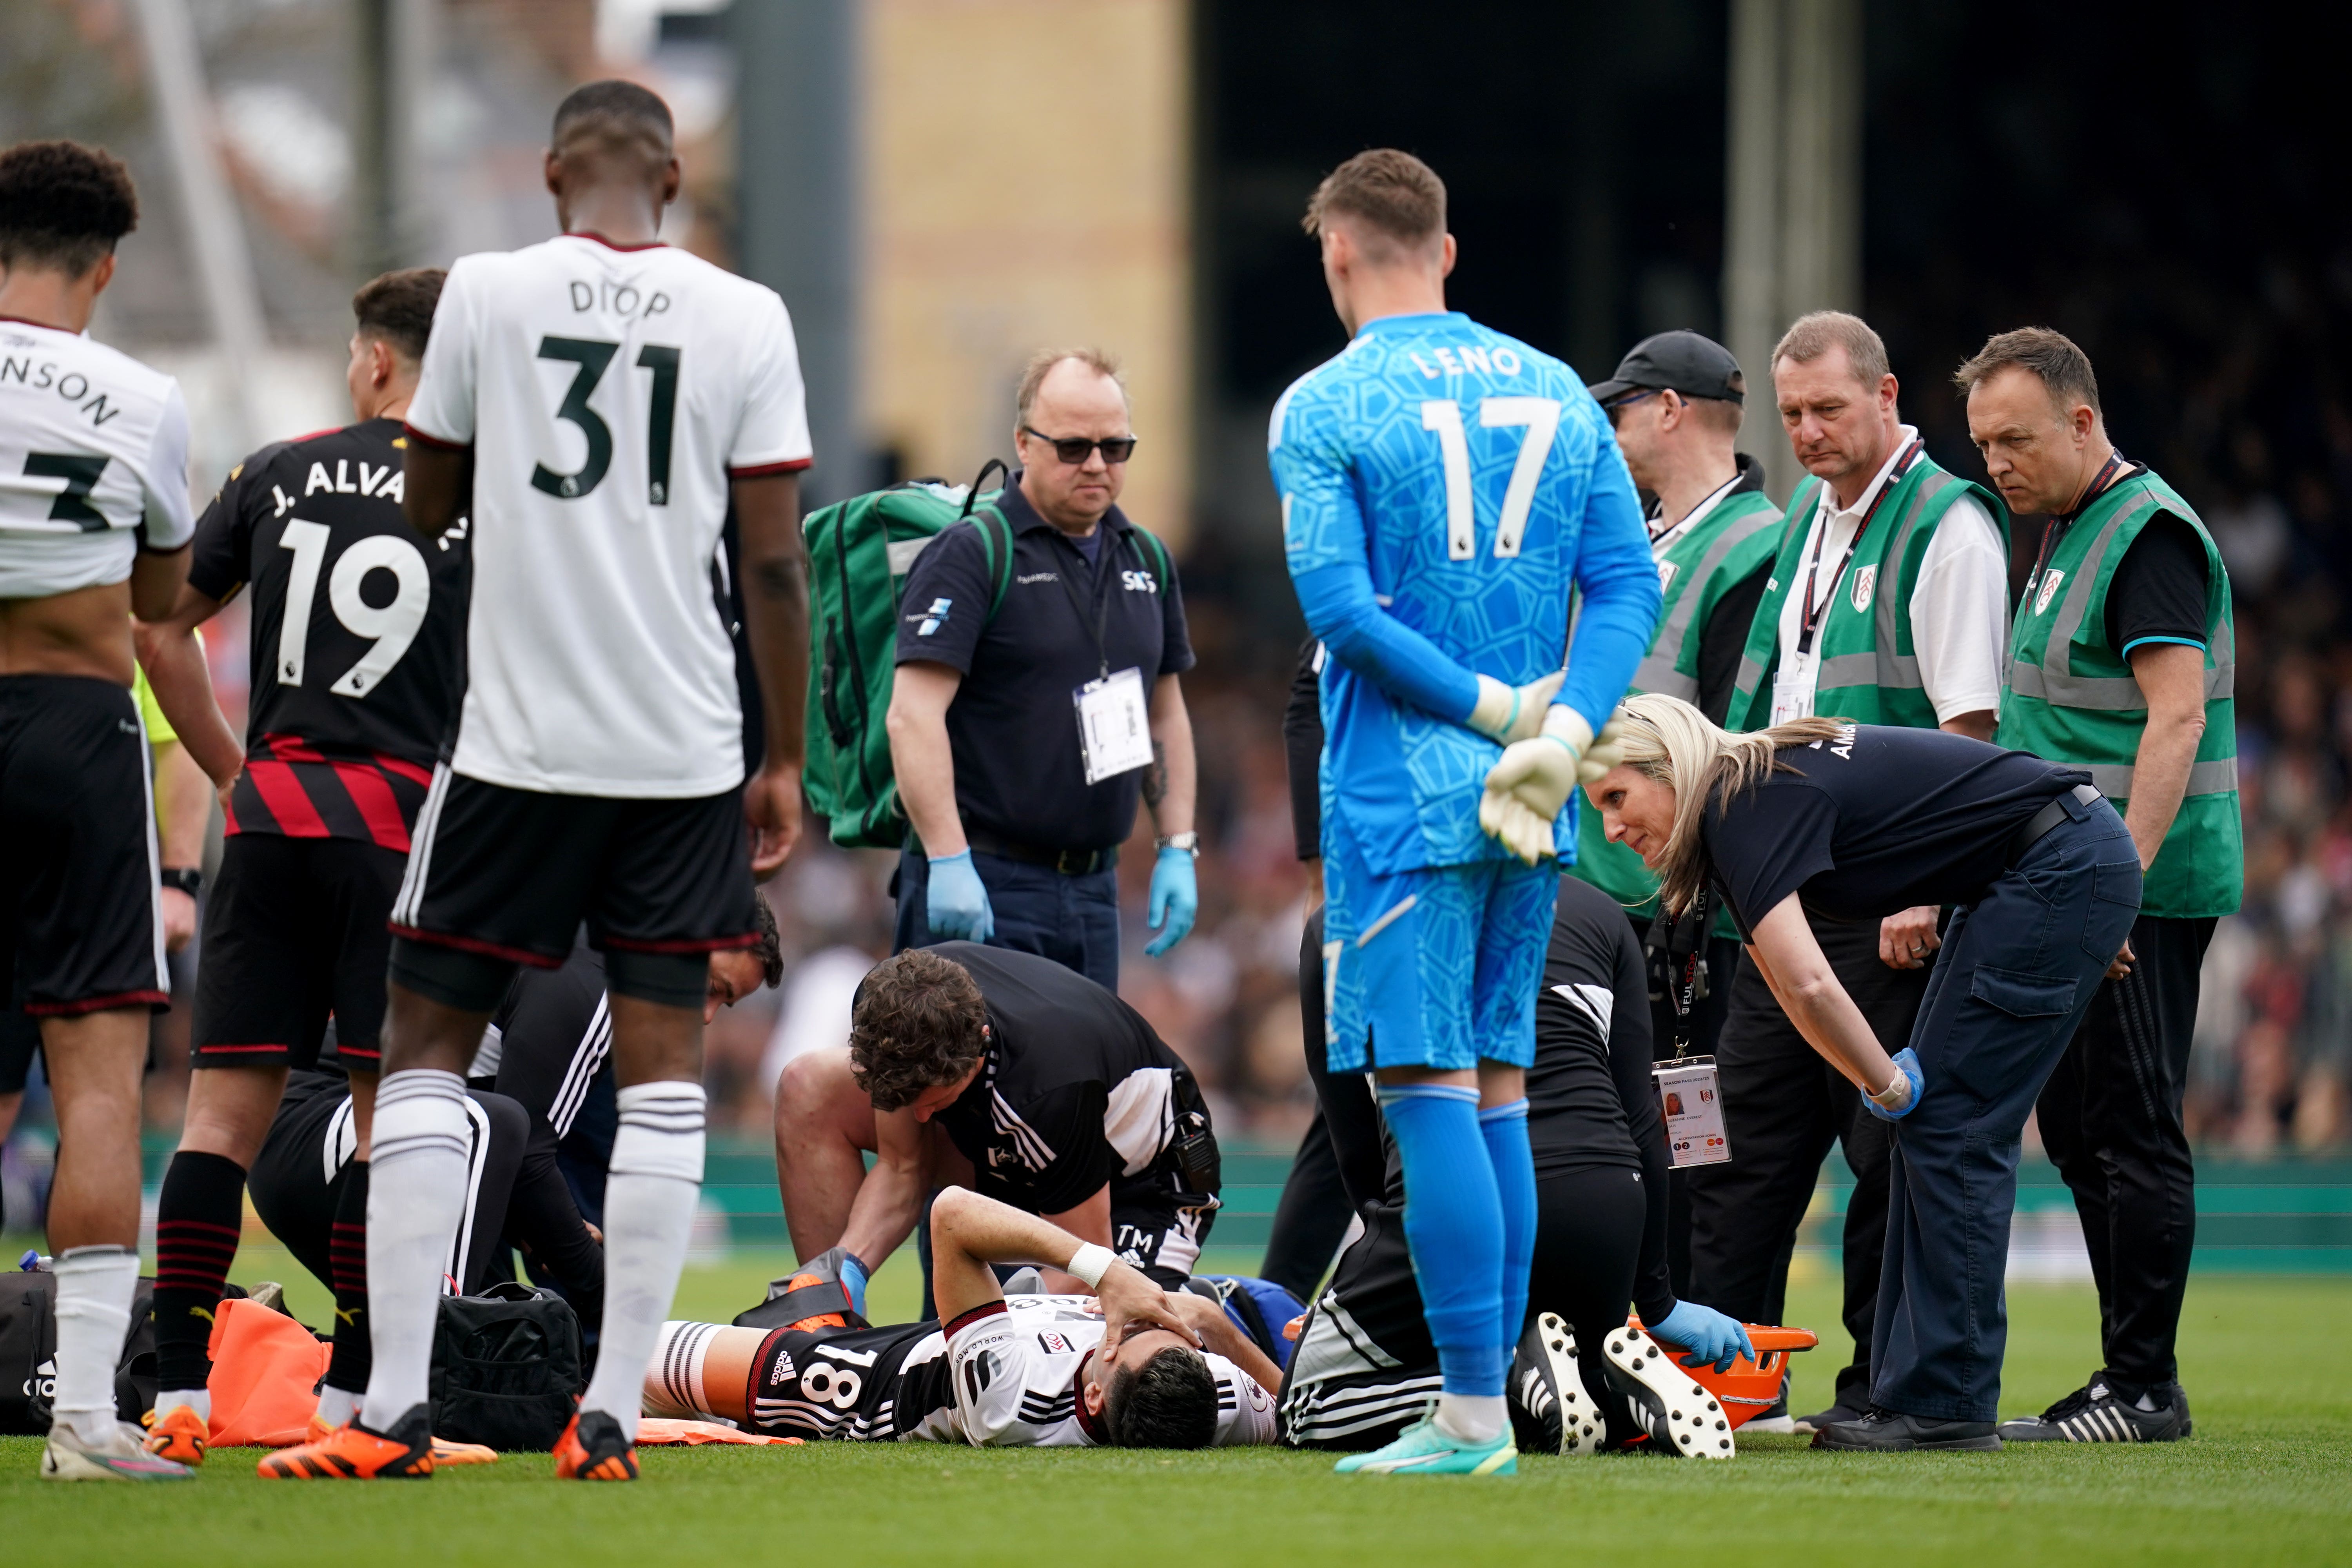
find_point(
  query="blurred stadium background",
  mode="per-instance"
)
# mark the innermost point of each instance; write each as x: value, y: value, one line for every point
x: 938, y: 187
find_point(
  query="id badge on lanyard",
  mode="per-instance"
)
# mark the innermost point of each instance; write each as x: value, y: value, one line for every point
x: 1114, y: 725
x: 1694, y: 1107
x: 1794, y: 686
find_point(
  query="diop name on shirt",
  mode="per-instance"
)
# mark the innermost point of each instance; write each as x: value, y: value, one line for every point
x: 607, y: 298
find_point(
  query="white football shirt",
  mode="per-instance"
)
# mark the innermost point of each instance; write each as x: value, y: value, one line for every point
x: 93, y: 462
x: 608, y: 393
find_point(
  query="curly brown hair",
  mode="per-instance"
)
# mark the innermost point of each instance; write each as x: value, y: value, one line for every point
x: 916, y: 1025
x: 63, y: 205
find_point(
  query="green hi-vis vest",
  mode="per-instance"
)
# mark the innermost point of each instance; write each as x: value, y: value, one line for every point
x: 1713, y: 554
x: 2071, y: 698
x: 1869, y: 671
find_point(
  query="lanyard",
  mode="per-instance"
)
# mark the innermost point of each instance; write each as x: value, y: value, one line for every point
x: 2110, y: 472
x: 1685, y: 991
x: 1812, y: 617
x: 1102, y: 600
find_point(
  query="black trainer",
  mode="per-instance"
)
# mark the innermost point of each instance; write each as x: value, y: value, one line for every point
x: 1838, y: 1411
x: 2096, y: 1412
x: 1891, y: 1432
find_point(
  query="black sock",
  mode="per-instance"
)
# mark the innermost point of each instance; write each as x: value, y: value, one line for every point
x: 197, y: 1222
x: 348, y: 1368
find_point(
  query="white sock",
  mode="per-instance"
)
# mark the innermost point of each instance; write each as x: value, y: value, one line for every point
x: 94, y: 1285
x: 199, y: 1400
x: 416, y: 1198
x: 1471, y: 1418
x: 336, y: 1405
x: 673, y: 1378
x: 652, y: 1185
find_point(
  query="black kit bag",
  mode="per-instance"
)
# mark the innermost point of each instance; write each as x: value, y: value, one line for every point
x: 28, y: 1347
x: 506, y: 1368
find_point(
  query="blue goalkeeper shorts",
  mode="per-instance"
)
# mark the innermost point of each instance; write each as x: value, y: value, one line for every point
x: 1435, y: 967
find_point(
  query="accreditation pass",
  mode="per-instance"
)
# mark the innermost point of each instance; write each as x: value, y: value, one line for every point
x: 1694, y: 1107
x: 1114, y: 725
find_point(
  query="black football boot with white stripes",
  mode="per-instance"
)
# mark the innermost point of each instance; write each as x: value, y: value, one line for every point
x: 2098, y: 1413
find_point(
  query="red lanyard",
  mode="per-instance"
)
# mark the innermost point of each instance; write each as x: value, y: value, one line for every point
x: 2112, y: 471
x: 1813, y: 616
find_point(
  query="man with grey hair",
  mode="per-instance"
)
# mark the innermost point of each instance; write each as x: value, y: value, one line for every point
x: 1888, y: 603
x: 2121, y: 663
x: 1024, y: 732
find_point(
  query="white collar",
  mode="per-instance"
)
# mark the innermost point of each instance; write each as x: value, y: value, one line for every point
x: 1715, y: 498
x: 1830, y: 511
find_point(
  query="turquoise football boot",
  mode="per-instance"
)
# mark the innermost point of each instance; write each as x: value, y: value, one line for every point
x: 1423, y: 1449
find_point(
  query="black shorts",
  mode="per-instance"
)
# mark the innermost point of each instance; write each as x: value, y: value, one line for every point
x: 81, y: 921
x: 847, y: 1386
x: 20, y: 1036
x: 512, y: 873
x: 1156, y: 1230
x: 295, y: 931
x: 312, y: 1139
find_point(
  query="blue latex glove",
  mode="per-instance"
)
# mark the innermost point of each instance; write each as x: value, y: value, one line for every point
x: 1175, y: 899
x: 853, y: 1280
x: 957, y: 906
x: 1706, y: 1333
x: 1906, y: 1061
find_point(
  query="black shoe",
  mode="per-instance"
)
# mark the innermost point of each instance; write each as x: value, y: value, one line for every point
x: 2095, y: 1413
x: 1891, y: 1432
x: 1838, y: 1411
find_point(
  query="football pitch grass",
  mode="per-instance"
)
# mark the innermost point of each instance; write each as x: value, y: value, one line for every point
x: 2267, y: 1478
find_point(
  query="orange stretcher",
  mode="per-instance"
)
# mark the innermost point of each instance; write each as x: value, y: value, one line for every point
x: 1751, y: 1386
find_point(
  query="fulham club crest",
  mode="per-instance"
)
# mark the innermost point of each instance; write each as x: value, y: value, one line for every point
x: 2049, y: 580
x: 1865, y: 581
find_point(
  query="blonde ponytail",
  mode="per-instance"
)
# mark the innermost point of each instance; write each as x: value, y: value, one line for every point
x: 1671, y: 743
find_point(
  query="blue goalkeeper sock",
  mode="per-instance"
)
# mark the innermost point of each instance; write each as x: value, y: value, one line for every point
x: 1505, y: 1128
x: 1453, y: 1226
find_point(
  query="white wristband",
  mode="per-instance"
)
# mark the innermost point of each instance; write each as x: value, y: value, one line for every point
x: 1090, y: 1263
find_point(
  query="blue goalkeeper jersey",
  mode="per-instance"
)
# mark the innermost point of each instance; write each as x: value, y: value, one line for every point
x: 1443, y: 489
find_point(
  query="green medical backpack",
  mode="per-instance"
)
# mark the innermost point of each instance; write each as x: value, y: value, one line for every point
x: 860, y: 551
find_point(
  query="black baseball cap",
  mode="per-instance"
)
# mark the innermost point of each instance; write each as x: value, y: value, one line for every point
x: 1681, y: 362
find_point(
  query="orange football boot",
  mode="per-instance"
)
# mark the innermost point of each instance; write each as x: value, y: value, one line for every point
x: 179, y: 1433
x: 444, y: 1450
x: 352, y: 1453
x: 592, y: 1449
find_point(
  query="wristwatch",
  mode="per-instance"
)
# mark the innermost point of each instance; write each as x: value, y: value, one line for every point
x: 1188, y: 842
x: 187, y: 878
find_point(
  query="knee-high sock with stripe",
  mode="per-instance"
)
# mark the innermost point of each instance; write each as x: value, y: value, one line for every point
x: 1453, y: 1226
x: 654, y: 1182
x: 421, y: 1142
x: 347, y: 1373
x: 1505, y: 1130
x: 197, y: 1217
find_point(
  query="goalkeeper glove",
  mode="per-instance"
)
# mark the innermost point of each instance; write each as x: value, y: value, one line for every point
x: 1506, y: 714
x: 1526, y: 789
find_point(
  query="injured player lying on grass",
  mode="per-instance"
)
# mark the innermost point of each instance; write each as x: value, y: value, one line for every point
x: 1130, y: 1366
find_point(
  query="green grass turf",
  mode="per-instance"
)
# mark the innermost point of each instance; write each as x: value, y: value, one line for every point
x: 2268, y: 1478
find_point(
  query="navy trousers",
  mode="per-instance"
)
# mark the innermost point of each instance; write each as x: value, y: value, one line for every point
x: 2017, y: 971
x: 1074, y: 921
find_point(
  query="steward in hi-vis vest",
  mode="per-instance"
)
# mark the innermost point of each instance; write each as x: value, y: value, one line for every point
x: 2071, y: 696
x: 1866, y: 667
x: 2121, y: 661
x: 1886, y: 603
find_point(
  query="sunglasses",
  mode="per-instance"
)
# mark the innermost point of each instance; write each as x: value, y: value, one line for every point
x: 1076, y: 449
x: 1617, y: 406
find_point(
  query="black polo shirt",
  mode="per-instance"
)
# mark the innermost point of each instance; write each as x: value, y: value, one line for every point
x: 1014, y: 726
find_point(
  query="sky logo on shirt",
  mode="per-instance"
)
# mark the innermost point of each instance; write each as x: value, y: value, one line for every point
x: 935, y: 617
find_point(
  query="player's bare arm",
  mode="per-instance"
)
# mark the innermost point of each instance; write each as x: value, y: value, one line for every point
x: 1220, y: 1335
x: 775, y: 617
x: 437, y: 487
x: 1090, y: 1221
x: 183, y: 683
x: 968, y: 1233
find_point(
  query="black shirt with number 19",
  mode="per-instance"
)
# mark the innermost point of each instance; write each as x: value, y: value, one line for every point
x: 358, y: 623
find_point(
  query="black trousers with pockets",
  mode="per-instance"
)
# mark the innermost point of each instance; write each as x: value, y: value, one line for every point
x: 1783, y: 1106
x: 2110, y: 1119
